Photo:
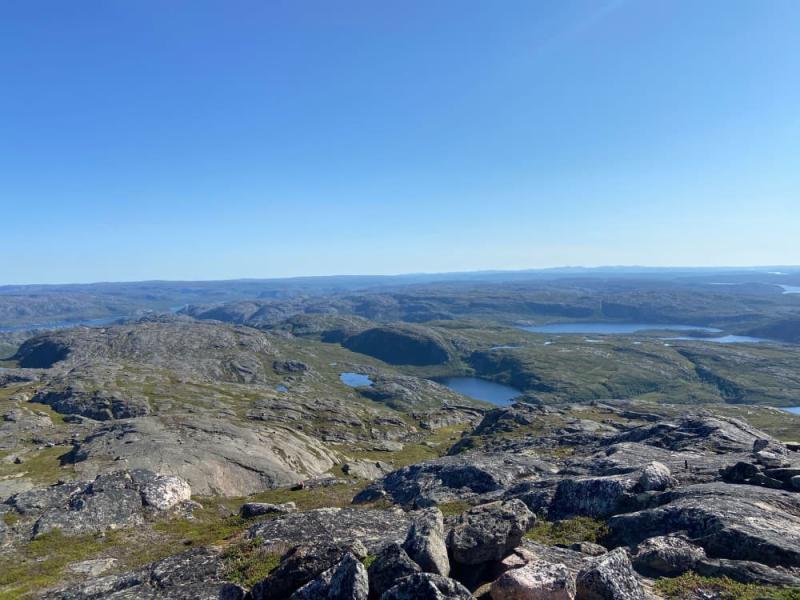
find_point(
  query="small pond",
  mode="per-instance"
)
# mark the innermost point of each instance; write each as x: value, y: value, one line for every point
x: 612, y: 328
x: 355, y: 379
x: 481, y: 389
x: 281, y: 388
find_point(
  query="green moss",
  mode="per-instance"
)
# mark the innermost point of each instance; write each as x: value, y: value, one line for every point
x: 690, y: 585
x: 41, y: 466
x: 10, y: 518
x: 453, y: 509
x: 368, y: 560
x: 249, y: 562
x: 569, y: 531
x: 40, y: 563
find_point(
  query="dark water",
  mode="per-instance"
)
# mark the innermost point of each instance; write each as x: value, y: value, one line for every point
x: 612, y: 328
x: 480, y: 389
x: 355, y: 379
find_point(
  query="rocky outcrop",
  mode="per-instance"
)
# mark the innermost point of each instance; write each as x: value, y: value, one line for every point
x: 194, y: 575
x: 737, y: 522
x: 467, y: 476
x: 400, y: 345
x: 93, y: 404
x: 214, y: 456
x: 113, y: 501
x: 374, y: 528
x: 250, y: 510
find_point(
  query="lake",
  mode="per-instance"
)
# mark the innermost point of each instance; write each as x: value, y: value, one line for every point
x: 792, y: 409
x: 481, y: 389
x: 724, y: 339
x: 791, y: 289
x: 612, y: 328
x: 61, y: 324
x: 355, y: 379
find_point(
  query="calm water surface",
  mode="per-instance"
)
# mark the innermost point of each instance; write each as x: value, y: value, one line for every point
x: 612, y: 328
x: 355, y: 379
x: 791, y: 289
x: 481, y: 389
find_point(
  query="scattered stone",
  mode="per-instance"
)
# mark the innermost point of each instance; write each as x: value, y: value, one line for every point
x: 93, y: 568
x: 249, y: 510
x: 366, y: 469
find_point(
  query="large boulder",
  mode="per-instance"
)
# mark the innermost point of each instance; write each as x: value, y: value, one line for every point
x: 301, y: 565
x: 609, y: 577
x: 667, y: 556
x: 389, y: 567
x: 427, y: 586
x: 93, y: 404
x: 596, y: 497
x: 347, y: 580
x: 374, y: 528
x: 112, y: 501
x: 655, y: 477
x: 537, y: 579
x: 425, y: 542
x: 249, y: 510
x: 488, y: 532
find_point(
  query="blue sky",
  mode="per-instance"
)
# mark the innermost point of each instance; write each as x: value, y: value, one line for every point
x: 206, y: 140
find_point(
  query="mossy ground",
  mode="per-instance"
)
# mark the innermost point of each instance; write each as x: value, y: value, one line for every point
x: 690, y: 586
x: 569, y: 531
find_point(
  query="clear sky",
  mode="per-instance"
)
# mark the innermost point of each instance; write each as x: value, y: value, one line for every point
x: 200, y: 139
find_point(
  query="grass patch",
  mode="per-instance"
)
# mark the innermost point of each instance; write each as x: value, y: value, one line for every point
x: 249, y: 562
x: 42, y: 466
x: 690, y: 585
x: 569, y: 531
x: 40, y: 563
x: 453, y: 509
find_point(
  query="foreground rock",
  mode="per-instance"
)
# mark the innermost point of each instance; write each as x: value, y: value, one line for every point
x: 425, y: 543
x: 389, y: 567
x: 536, y: 579
x: 303, y: 564
x: 609, y: 577
x: 193, y: 575
x: 489, y: 532
x: 347, y: 580
x: 427, y: 586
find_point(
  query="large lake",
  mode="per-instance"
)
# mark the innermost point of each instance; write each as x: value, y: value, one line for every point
x: 791, y: 289
x: 481, y: 389
x: 613, y: 328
